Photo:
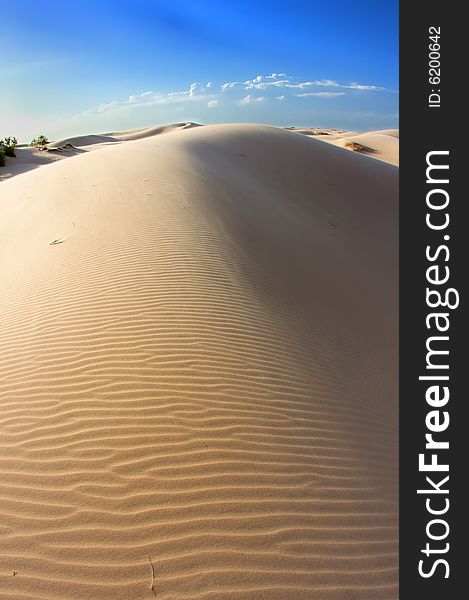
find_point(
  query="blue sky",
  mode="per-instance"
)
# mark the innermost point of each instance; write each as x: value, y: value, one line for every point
x: 85, y: 66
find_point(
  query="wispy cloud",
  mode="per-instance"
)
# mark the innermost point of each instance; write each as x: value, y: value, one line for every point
x: 322, y: 83
x: 230, y: 85
x: 282, y: 80
x: 276, y: 86
x: 262, y: 82
x: 366, y: 88
x: 320, y: 94
x: 196, y: 92
x: 250, y: 100
x: 196, y: 88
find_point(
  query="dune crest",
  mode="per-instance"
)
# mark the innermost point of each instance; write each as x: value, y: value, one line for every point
x: 382, y: 145
x: 198, y: 380
x: 124, y: 136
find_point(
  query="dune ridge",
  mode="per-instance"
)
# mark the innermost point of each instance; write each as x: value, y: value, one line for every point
x: 381, y: 145
x: 124, y: 136
x: 198, y: 372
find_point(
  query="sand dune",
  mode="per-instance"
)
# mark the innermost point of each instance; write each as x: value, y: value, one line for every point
x: 376, y: 144
x: 85, y: 140
x: 123, y: 136
x: 391, y: 132
x: 27, y: 159
x: 138, y: 134
x: 198, y: 372
x: 382, y: 144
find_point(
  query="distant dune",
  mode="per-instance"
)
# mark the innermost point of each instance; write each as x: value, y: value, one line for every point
x: 383, y: 144
x: 198, y: 369
x: 124, y: 136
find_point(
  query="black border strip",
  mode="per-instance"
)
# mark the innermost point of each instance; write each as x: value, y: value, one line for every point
x: 425, y: 129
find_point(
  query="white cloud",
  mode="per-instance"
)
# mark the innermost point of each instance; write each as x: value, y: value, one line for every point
x: 282, y: 80
x: 367, y: 88
x: 321, y: 94
x: 195, y: 88
x: 196, y: 92
x: 321, y: 83
x: 250, y: 100
x: 105, y: 107
x: 138, y: 97
x: 279, y: 86
x: 262, y: 82
x: 230, y: 85
x: 332, y: 83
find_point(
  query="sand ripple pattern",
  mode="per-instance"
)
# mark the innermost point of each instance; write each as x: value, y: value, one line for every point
x: 197, y: 379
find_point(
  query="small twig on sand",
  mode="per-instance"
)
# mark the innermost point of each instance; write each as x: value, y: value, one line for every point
x: 152, y: 576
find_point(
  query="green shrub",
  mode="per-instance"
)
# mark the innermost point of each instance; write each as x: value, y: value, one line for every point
x: 7, y: 148
x: 40, y: 141
x: 9, y: 141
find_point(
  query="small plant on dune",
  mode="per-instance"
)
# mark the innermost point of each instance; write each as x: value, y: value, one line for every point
x: 40, y: 142
x: 8, y: 146
x: 9, y: 141
x: 356, y: 147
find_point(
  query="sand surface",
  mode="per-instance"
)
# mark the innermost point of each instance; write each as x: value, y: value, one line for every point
x: 198, y: 371
x: 123, y: 136
x: 27, y: 159
x: 382, y: 145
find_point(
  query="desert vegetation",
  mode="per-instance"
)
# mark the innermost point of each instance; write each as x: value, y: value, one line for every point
x: 356, y: 147
x: 40, y: 142
x: 7, y: 148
